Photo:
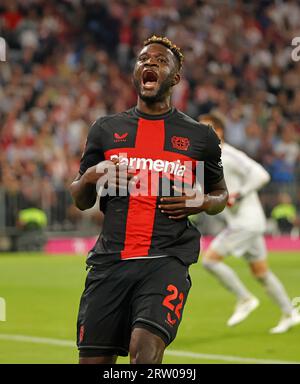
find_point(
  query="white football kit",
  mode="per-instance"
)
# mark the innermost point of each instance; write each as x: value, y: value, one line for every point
x: 246, y: 221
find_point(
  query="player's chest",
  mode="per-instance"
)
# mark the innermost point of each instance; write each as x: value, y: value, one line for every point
x: 152, y: 139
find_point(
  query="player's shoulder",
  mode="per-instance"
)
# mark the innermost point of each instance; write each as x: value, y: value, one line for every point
x: 103, y: 123
x: 184, y: 119
x: 103, y: 120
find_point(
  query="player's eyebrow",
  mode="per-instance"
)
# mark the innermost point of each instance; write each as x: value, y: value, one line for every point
x: 143, y: 54
x: 155, y: 54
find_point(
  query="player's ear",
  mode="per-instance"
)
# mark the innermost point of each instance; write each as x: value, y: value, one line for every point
x: 176, y: 79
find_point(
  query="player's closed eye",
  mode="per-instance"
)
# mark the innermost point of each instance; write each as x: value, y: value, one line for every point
x: 162, y: 60
x: 159, y: 59
x: 143, y: 58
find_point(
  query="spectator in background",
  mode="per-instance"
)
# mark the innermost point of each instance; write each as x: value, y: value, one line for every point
x: 287, y: 148
x: 286, y: 155
x: 236, y: 127
x: 253, y: 140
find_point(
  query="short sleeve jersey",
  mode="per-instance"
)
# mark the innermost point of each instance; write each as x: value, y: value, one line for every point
x: 169, y: 146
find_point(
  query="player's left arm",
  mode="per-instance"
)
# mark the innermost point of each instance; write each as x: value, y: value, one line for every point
x: 188, y: 204
x: 215, y: 201
x: 215, y: 189
x: 215, y: 196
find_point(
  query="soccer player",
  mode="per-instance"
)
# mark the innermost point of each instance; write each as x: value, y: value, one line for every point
x: 138, y: 278
x: 243, y: 235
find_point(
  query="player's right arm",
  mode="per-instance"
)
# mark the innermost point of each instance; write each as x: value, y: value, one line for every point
x: 92, y: 167
x: 83, y: 188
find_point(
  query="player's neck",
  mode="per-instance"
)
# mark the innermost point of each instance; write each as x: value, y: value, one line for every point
x: 158, y: 108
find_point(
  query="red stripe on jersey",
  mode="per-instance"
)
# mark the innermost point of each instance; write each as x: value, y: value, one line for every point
x: 149, y: 144
x: 141, y: 209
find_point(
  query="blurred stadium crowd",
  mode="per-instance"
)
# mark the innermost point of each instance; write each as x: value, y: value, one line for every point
x: 70, y: 61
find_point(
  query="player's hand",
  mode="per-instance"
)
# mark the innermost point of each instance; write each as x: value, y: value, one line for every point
x: 233, y: 199
x: 178, y: 208
x: 93, y: 174
x: 116, y: 175
x: 121, y: 177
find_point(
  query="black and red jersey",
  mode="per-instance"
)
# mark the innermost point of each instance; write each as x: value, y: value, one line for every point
x: 134, y: 226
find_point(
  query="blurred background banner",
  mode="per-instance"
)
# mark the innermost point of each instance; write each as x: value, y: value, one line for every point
x: 69, y: 62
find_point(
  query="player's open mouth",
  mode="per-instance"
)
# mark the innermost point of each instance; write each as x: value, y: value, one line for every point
x: 149, y: 79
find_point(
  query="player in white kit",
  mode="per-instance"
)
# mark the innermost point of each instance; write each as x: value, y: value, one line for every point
x: 243, y: 235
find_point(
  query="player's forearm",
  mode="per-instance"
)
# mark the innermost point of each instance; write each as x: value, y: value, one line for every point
x: 215, y: 198
x: 215, y: 201
x: 83, y: 193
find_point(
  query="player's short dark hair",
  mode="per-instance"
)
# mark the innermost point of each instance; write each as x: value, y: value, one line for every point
x: 216, y: 118
x: 167, y: 43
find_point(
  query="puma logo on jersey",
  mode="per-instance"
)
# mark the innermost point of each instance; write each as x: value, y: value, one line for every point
x: 119, y: 138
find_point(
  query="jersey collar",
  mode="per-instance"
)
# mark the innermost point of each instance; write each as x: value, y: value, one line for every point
x: 146, y: 116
